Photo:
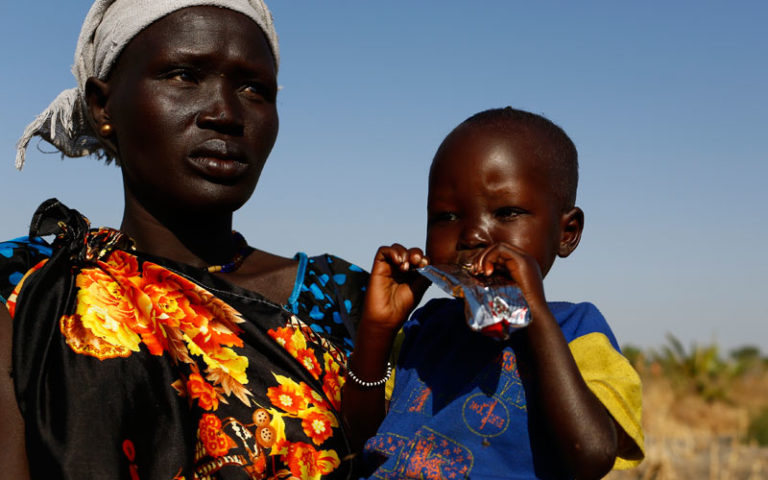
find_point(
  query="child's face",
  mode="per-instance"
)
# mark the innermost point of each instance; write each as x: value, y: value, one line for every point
x: 486, y: 189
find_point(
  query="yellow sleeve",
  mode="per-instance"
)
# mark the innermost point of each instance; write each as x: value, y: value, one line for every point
x: 617, y: 385
x: 393, y: 356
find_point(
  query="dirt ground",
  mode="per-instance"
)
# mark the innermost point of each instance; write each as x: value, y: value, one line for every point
x: 689, y: 438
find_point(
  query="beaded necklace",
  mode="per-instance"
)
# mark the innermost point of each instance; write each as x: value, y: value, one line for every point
x: 242, y: 251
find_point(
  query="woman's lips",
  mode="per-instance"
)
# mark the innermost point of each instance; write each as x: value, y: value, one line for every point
x: 219, y: 159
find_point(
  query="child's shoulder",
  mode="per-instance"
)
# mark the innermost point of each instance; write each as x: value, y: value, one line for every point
x: 569, y: 311
x: 580, y: 319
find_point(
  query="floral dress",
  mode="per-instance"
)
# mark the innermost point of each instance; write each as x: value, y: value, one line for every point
x: 131, y: 366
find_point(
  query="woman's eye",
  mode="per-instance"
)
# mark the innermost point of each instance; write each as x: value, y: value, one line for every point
x: 255, y: 91
x: 181, y: 75
x: 507, y: 213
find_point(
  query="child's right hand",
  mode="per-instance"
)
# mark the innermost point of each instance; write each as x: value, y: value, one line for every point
x: 508, y: 260
x: 394, y: 288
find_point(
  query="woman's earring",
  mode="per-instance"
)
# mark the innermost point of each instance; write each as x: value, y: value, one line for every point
x: 106, y: 130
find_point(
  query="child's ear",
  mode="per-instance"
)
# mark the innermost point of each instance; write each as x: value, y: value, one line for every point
x: 571, y: 226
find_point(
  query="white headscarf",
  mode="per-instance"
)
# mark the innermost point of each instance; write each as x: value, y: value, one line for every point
x: 107, y: 29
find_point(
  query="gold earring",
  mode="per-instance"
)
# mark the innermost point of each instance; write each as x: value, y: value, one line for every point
x: 106, y: 130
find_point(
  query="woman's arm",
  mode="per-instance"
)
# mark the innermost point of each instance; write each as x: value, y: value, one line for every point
x: 13, y: 456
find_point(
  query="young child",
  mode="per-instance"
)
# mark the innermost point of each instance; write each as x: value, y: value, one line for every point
x: 556, y: 400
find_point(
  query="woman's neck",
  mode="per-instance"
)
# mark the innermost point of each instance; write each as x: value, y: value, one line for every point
x: 192, y: 239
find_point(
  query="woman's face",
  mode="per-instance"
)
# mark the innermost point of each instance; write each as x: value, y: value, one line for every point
x: 192, y: 103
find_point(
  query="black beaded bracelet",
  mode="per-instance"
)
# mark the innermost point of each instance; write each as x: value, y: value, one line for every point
x: 365, y: 384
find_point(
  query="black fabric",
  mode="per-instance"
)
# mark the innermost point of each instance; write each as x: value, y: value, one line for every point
x: 135, y: 414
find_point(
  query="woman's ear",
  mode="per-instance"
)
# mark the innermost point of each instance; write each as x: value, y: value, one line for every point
x: 97, y: 99
x: 571, y: 226
x: 96, y: 95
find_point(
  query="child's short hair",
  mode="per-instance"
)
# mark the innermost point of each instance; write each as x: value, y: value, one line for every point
x: 552, y: 144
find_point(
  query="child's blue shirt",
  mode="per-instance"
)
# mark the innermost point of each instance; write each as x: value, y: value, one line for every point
x: 459, y: 410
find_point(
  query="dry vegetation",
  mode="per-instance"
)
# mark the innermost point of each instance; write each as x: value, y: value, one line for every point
x: 705, y: 417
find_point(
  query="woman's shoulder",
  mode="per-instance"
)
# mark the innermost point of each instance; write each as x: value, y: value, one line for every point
x: 332, y: 264
x: 328, y: 294
x: 17, y: 257
x: 326, y: 276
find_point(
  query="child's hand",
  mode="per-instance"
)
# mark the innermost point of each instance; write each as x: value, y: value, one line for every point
x: 507, y: 260
x: 394, y: 288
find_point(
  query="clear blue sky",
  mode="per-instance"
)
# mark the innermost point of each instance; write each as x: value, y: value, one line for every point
x: 667, y: 103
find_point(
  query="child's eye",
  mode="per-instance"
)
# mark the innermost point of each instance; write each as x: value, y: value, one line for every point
x: 442, y: 217
x: 508, y: 213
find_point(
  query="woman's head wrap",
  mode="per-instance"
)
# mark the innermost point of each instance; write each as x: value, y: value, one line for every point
x: 107, y: 29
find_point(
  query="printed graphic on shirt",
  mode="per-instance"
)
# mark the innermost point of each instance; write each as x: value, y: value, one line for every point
x: 427, y: 455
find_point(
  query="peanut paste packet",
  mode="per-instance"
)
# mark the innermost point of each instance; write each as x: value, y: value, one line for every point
x: 491, y: 308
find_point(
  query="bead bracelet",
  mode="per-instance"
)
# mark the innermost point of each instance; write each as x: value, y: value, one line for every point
x: 365, y: 384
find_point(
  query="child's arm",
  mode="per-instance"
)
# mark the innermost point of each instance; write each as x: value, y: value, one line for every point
x: 579, y: 424
x: 394, y: 290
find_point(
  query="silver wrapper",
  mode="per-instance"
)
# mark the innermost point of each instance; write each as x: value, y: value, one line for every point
x: 493, y: 309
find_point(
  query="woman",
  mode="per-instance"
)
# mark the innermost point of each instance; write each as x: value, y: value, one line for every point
x: 145, y: 352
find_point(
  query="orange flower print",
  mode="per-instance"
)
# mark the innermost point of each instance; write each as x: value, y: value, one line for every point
x: 119, y: 308
x: 84, y: 342
x: 124, y: 265
x: 307, y: 463
x: 313, y: 397
x: 205, y: 324
x: 10, y: 302
x: 318, y: 424
x: 307, y: 358
x: 180, y: 302
x: 288, y: 397
x: 327, y: 461
x: 104, y: 314
x: 172, y: 308
x: 332, y: 381
x: 281, y: 335
x: 203, y: 392
x: 215, y: 442
x: 259, y: 464
x: 290, y: 338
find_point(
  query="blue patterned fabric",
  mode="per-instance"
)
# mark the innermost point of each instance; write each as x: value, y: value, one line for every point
x: 17, y: 257
x: 328, y: 295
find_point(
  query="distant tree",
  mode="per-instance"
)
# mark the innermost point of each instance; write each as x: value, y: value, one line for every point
x: 747, y: 359
x: 635, y: 356
x: 700, y: 369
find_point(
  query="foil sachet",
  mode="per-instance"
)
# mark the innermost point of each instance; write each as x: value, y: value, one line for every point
x: 491, y: 308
